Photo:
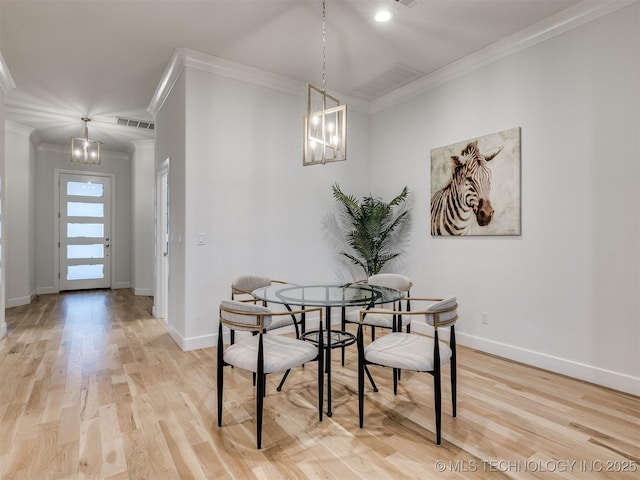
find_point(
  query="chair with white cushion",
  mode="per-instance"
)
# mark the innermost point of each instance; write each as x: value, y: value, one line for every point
x: 378, y: 317
x: 241, y: 289
x: 263, y: 354
x: 413, y: 351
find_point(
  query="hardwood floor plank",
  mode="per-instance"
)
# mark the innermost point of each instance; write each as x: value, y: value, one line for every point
x: 90, y: 449
x: 93, y: 387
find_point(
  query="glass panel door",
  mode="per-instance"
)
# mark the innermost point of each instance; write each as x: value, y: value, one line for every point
x: 85, y: 224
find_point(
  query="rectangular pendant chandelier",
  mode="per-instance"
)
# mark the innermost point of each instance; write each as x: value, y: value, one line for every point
x: 84, y: 150
x: 325, y: 125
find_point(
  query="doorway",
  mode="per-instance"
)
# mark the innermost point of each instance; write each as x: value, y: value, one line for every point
x: 85, y: 242
x: 161, y: 294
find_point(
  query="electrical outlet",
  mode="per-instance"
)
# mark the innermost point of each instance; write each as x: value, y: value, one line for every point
x: 485, y: 318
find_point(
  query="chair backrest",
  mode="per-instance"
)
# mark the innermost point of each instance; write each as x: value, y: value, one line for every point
x: 248, y: 283
x: 442, y: 313
x: 244, y: 316
x: 391, y: 280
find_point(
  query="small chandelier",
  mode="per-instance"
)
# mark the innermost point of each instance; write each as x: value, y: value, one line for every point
x: 84, y: 150
x: 325, y: 125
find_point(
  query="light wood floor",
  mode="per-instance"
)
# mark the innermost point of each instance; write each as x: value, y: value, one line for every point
x: 91, y: 386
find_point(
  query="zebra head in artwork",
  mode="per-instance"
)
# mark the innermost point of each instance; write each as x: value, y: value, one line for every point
x: 467, y: 193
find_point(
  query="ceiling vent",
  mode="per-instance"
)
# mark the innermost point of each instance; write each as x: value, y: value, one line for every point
x: 394, y: 77
x: 408, y: 3
x: 130, y: 122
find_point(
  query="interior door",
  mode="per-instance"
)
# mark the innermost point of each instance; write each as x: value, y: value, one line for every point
x: 85, y: 232
x: 161, y: 295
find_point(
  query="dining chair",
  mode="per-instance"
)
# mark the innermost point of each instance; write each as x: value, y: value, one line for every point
x: 241, y: 289
x: 381, y: 318
x: 263, y: 354
x: 414, y: 351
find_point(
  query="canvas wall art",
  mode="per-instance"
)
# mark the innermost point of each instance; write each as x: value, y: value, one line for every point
x: 475, y: 186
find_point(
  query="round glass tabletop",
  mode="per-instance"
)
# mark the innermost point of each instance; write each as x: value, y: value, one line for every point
x: 329, y: 295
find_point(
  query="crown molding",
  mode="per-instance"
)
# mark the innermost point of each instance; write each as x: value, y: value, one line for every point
x: 6, y: 80
x: 238, y: 71
x: 187, y: 58
x: 169, y: 77
x: 142, y: 144
x: 553, y: 26
x: 18, y: 128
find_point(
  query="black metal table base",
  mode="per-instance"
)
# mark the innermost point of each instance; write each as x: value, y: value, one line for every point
x: 332, y: 339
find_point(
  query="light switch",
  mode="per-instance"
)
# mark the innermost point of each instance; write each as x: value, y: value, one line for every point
x: 201, y: 239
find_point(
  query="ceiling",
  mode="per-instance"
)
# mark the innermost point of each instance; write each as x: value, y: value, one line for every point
x: 104, y: 59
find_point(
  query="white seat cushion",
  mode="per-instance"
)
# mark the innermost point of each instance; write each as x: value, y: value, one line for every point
x: 384, y: 320
x: 376, y: 318
x: 391, y: 280
x: 408, y: 351
x: 280, y: 353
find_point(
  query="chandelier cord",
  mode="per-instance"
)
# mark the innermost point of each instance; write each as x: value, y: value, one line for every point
x: 324, y: 59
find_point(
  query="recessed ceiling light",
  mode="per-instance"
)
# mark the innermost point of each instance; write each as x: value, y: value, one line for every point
x: 383, y: 16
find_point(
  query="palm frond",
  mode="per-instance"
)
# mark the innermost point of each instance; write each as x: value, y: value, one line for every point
x: 372, y: 228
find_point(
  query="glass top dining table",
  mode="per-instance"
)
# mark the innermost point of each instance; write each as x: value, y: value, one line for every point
x: 328, y: 296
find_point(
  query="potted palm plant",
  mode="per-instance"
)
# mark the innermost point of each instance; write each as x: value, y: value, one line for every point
x: 374, y: 229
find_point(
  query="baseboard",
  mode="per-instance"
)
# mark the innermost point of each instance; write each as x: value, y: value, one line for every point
x: 192, y: 343
x: 211, y: 340
x: 46, y: 290
x: 3, y: 330
x: 581, y: 371
x: 145, y: 292
x: 16, y: 302
x: 118, y: 285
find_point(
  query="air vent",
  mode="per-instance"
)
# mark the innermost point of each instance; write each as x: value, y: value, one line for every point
x: 130, y: 122
x: 394, y: 77
x: 408, y: 3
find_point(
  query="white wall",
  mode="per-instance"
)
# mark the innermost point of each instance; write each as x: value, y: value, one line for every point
x: 170, y: 144
x: 245, y: 189
x: 142, y: 217
x: 20, y: 215
x: 6, y: 84
x: 563, y: 295
x: 3, y: 324
x: 51, y: 157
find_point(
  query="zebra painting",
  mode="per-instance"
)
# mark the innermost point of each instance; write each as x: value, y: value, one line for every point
x: 464, y: 205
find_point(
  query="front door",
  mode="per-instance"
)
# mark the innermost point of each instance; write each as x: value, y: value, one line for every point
x: 85, y: 232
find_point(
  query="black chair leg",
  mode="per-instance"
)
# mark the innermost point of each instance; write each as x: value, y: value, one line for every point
x: 343, y: 325
x: 284, y: 377
x: 395, y: 381
x: 373, y: 384
x: 259, y: 406
x: 219, y: 373
x: 361, y: 370
x: 220, y: 385
x: 454, y: 371
x: 320, y: 373
x: 437, y: 394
